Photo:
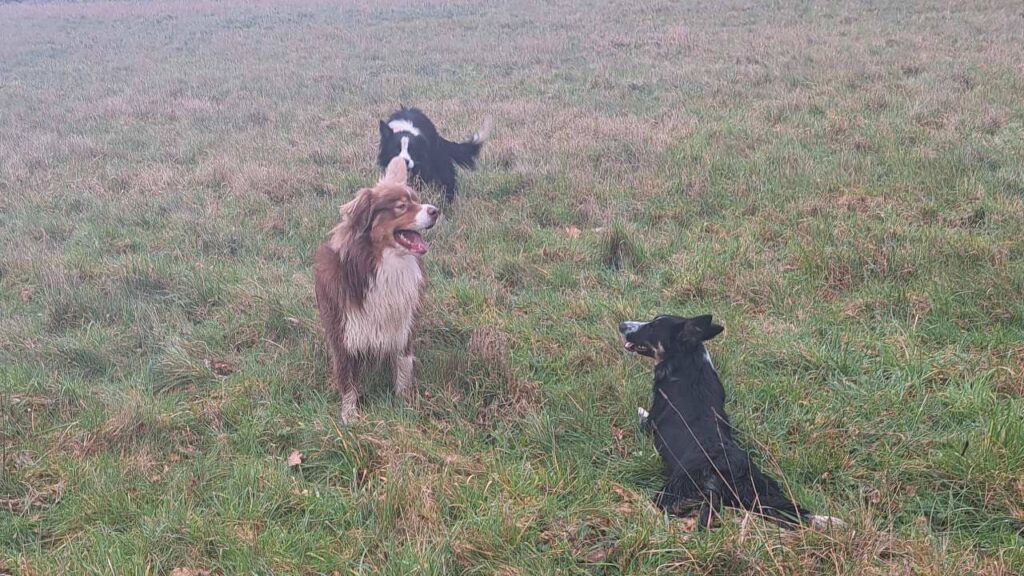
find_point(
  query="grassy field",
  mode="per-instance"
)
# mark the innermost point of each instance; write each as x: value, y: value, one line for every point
x: 840, y: 184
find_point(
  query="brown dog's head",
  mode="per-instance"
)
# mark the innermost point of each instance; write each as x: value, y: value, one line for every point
x: 390, y: 215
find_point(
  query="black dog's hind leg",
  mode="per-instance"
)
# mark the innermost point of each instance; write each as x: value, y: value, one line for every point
x: 709, y: 509
x: 446, y: 180
x: 678, y: 497
x: 665, y: 499
x: 712, y: 505
x: 672, y: 500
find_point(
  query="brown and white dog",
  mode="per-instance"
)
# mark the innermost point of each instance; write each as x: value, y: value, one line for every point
x: 369, y: 282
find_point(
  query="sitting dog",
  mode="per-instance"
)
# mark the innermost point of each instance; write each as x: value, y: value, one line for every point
x: 705, y: 466
x: 408, y: 134
x: 369, y: 281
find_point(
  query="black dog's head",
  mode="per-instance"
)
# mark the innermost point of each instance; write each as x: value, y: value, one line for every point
x: 405, y: 140
x: 667, y: 333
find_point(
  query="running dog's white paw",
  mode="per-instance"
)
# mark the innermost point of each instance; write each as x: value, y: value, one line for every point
x: 824, y: 522
x: 643, y: 414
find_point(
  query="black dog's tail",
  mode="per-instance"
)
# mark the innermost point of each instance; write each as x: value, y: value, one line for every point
x: 783, y: 512
x: 770, y: 501
x: 464, y: 153
x: 764, y: 496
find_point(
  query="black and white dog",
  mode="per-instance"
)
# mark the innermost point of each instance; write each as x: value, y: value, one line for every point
x: 705, y: 466
x: 410, y: 135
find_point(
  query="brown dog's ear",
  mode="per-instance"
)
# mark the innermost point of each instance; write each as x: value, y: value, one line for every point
x: 359, y: 212
x: 346, y: 209
x: 397, y: 173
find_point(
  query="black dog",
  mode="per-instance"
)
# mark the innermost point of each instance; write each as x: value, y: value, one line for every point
x: 410, y: 135
x: 705, y: 466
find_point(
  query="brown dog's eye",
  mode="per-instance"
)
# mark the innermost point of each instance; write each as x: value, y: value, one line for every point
x: 400, y: 207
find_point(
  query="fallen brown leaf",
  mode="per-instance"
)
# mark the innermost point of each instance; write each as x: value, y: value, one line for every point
x: 624, y: 509
x: 597, y: 555
x: 219, y: 367
x: 572, y: 231
x: 621, y: 492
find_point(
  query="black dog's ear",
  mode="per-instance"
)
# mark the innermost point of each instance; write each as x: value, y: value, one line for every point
x: 712, y: 331
x: 699, y: 329
x: 385, y: 130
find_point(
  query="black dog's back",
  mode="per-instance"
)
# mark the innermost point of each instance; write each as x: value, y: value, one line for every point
x: 462, y: 153
x: 434, y: 157
x: 705, y: 465
x: 417, y: 118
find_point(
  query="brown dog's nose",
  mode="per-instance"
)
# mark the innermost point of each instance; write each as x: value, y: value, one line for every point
x: 431, y: 211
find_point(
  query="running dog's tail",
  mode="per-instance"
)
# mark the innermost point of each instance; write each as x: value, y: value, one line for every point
x: 464, y: 153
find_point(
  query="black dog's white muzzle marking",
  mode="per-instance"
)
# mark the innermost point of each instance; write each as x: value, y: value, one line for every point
x: 625, y: 329
x: 628, y: 327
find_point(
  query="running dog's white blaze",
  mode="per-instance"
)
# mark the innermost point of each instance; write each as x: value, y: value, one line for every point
x: 404, y: 154
x: 403, y: 126
x: 424, y: 219
x: 825, y: 522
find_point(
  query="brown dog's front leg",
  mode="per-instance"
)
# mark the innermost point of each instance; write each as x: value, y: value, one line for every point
x: 345, y: 380
x: 405, y: 378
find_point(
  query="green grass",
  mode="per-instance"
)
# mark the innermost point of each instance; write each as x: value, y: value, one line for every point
x: 840, y: 185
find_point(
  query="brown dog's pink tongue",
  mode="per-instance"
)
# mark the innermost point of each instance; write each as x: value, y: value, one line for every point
x: 413, y: 241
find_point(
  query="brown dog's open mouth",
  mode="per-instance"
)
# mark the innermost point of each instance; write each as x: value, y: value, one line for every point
x: 411, y: 241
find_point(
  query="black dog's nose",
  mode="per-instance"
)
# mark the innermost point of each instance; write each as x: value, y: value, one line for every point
x: 623, y: 327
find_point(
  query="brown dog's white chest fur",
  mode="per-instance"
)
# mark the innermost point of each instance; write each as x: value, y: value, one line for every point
x: 385, y: 322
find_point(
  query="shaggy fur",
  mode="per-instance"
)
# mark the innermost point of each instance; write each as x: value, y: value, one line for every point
x: 369, y: 282
x: 410, y: 135
x: 705, y: 466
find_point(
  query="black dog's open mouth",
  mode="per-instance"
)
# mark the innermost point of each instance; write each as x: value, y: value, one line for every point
x: 638, y: 348
x: 411, y: 241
